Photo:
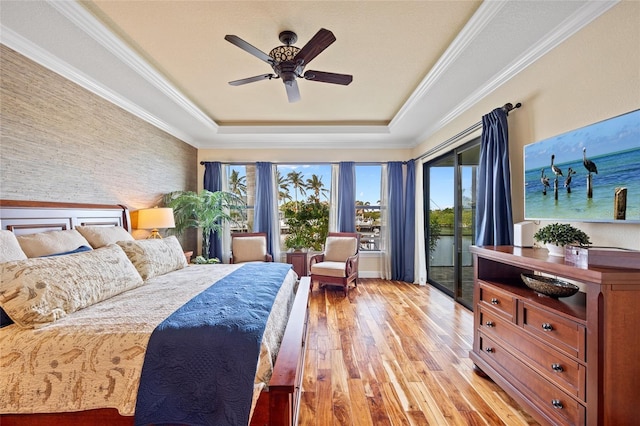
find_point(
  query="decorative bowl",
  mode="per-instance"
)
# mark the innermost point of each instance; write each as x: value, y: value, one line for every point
x: 549, y: 286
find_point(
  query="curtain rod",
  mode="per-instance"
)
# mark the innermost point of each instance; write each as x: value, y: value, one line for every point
x: 508, y: 107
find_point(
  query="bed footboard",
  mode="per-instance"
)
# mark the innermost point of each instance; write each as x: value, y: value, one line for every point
x: 279, y: 406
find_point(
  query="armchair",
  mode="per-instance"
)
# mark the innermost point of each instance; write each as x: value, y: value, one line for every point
x: 338, y: 265
x: 249, y: 247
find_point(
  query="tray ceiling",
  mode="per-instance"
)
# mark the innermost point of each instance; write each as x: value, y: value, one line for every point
x: 416, y: 65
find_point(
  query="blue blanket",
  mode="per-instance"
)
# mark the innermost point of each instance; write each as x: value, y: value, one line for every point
x: 201, y: 361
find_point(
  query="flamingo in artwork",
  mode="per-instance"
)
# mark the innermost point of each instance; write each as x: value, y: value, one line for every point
x: 588, y: 164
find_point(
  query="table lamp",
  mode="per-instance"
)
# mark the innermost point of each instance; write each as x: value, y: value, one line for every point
x: 155, y: 218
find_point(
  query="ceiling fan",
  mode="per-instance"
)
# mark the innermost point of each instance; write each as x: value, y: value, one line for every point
x: 288, y: 61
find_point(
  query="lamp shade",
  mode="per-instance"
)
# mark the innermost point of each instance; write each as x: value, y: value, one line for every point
x: 156, y: 218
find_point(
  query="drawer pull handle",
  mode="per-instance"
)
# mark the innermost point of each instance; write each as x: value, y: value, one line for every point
x: 557, y: 367
x: 490, y: 324
x: 495, y: 301
x: 489, y: 350
x: 547, y: 327
x: 557, y: 404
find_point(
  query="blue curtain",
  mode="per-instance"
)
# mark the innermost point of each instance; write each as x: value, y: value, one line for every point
x: 264, y: 208
x: 395, y: 201
x: 347, y: 197
x: 401, y: 193
x: 494, y: 220
x: 409, y: 222
x: 213, y: 183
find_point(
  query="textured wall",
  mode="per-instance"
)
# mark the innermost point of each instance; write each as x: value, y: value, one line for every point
x: 60, y: 142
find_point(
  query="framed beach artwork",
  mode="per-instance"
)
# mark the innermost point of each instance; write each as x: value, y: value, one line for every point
x: 591, y: 174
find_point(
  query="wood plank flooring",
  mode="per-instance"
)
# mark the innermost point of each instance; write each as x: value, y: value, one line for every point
x: 394, y: 353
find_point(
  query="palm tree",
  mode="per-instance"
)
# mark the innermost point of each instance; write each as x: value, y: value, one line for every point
x: 315, y: 184
x: 296, y: 179
x: 205, y: 210
x: 238, y: 184
x: 283, y: 187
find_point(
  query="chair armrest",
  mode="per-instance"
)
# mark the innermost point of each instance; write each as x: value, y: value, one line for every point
x: 316, y: 258
x: 352, y: 264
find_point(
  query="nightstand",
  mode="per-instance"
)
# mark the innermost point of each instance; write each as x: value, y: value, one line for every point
x: 300, y: 262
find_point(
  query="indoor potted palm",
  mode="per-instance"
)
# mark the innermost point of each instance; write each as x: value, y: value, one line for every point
x: 206, y: 210
x: 557, y: 235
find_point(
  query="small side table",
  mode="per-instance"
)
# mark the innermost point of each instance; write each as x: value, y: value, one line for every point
x: 300, y: 262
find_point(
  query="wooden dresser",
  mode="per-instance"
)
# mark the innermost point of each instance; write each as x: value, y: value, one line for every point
x: 567, y: 361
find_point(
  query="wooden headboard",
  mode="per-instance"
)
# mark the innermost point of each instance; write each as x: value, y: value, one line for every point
x: 29, y: 217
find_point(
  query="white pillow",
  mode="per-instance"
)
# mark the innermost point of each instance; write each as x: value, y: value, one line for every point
x: 52, y: 242
x: 155, y: 256
x: 38, y: 291
x: 100, y: 236
x: 10, y: 247
x: 338, y: 249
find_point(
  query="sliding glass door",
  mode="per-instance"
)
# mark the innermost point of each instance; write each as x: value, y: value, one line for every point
x: 450, y: 188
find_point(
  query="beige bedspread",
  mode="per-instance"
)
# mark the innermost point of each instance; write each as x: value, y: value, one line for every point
x: 93, y: 358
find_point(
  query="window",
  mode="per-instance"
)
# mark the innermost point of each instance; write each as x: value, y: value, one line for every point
x: 241, y: 180
x: 368, y: 197
x: 304, y: 203
x: 303, y: 200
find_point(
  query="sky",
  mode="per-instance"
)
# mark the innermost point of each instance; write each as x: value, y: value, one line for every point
x: 367, y: 178
x: 619, y: 133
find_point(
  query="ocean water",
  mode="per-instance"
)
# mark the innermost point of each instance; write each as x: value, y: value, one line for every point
x: 619, y: 169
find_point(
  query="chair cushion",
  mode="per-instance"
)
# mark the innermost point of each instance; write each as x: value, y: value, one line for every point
x: 249, y: 249
x: 329, y: 269
x: 338, y: 249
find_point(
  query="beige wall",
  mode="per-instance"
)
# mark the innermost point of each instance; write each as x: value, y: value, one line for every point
x: 60, y: 142
x: 592, y: 76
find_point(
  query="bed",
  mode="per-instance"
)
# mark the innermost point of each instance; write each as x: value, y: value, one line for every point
x: 105, y: 390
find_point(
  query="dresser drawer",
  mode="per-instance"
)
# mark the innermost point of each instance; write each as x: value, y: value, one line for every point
x: 561, y: 333
x: 494, y: 325
x: 503, y: 302
x: 550, y: 399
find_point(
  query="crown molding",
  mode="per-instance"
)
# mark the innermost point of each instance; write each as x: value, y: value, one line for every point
x: 90, y: 25
x: 574, y: 23
x: 34, y: 52
x: 478, y: 22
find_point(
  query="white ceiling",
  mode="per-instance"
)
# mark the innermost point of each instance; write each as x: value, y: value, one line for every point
x: 416, y: 65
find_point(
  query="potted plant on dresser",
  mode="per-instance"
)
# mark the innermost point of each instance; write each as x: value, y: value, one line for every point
x: 557, y: 235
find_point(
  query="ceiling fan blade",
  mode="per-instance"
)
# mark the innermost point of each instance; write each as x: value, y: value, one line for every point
x: 233, y: 39
x: 328, y: 77
x: 315, y: 46
x: 252, y: 79
x: 293, y: 93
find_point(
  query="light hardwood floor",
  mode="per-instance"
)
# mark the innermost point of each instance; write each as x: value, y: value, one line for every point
x: 396, y: 354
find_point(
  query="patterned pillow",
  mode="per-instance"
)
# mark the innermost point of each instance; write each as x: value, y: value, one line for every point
x: 35, y: 292
x: 52, y: 242
x: 100, y: 236
x: 10, y: 247
x: 155, y: 256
